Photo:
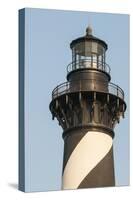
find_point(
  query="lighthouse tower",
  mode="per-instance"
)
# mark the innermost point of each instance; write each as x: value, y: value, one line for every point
x: 87, y: 107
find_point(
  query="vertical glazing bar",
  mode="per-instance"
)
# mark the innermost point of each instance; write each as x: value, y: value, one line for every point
x: 77, y: 61
x: 91, y: 61
x: 75, y: 57
x: 80, y: 63
x: 97, y: 61
x: 103, y: 62
x: 72, y: 57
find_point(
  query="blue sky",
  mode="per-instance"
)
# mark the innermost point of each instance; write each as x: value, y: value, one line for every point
x: 49, y: 33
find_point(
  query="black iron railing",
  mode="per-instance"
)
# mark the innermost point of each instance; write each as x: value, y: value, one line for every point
x: 81, y: 85
x: 89, y: 64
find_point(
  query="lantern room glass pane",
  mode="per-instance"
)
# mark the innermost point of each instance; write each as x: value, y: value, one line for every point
x: 94, y: 47
x: 80, y: 48
x: 88, y: 54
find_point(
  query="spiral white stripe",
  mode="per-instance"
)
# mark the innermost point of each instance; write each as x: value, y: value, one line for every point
x: 91, y: 149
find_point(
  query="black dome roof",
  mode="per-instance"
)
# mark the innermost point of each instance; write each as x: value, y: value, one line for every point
x: 88, y: 37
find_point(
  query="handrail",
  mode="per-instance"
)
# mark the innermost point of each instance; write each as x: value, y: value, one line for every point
x: 64, y: 88
x: 89, y: 64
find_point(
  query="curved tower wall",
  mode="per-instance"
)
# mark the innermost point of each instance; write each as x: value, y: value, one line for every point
x: 88, y: 160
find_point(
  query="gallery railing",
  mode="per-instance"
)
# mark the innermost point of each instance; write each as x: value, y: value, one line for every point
x: 87, y: 85
x: 88, y: 64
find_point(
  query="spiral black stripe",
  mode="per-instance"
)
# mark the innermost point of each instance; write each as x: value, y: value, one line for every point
x: 70, y: 142
x: 102, y: 175
x: 88, y: 160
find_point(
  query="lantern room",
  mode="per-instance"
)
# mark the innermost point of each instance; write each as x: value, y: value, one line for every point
x: 88, y: 52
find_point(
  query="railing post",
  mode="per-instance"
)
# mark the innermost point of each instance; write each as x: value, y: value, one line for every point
x: 107, y: 98
x: 117, y: 91
x: 80, y: 85
x: 66, y: 99
x: 94, y: 96
x: 97, y: 62
x: 57, y: 91
x: 68, y: 87
x: 118, y: 102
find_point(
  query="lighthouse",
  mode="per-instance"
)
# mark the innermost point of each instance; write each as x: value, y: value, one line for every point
x: 88, y: 106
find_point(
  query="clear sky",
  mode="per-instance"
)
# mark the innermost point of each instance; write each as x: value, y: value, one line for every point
x: 49, y: 34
